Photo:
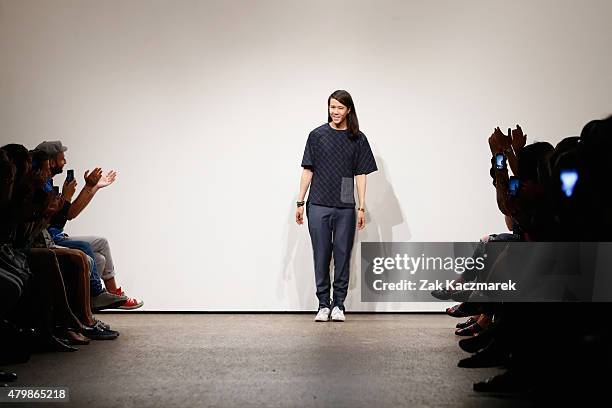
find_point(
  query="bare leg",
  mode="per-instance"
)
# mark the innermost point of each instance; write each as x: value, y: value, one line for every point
x: 111, y: 285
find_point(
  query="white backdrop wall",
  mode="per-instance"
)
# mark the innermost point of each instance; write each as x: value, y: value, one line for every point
x: 204, y: 107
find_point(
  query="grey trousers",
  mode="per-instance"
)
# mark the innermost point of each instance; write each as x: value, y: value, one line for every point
x: 332, y: 230
x: 102, y: 252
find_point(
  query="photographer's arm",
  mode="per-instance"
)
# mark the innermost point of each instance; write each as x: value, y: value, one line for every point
x: 498, y: 143
x: 501, y: 189
x: 518, y: 141
x: 512, y: 161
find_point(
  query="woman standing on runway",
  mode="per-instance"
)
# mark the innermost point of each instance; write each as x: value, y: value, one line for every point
x: 335, y: 153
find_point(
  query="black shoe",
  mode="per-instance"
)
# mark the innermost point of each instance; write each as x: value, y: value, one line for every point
x: 473, y: 344
x: 493, y: 355
x: 467, y: 323
x: 507, y: 382
x: 97, y: 332
x: 464, y: 310
x: 8, y: 377
x: 105, y: 326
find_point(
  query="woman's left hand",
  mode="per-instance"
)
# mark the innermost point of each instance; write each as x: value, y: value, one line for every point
x: 360, y: 220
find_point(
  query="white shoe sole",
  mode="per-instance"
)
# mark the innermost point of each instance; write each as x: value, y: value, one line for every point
x: 338, y: 320
x: 139, y: 305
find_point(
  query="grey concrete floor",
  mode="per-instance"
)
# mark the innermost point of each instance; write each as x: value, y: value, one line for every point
x: 276, y: 360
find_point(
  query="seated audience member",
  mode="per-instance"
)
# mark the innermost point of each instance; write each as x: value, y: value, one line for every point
x: 43, y: 304
x: 11, y: 284
x: 96, y: 247
x: 11, y: 278
x: 74, y: 266
x: 533, y: 340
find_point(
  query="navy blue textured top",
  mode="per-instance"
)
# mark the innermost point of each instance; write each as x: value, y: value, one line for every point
x: 335, y: 160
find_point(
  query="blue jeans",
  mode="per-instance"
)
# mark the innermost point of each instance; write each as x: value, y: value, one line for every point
x: 95, y: 283
x: 332, y: 230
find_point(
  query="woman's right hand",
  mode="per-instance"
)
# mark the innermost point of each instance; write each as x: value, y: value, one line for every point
x: 299, y: 215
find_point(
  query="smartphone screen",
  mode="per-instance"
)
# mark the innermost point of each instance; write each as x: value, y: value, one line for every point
x: 500, y: 161
x: 69, y: 176
x: 569, y: 178
x: 513, y: 186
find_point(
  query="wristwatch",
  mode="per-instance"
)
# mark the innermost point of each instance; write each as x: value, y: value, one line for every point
x: 300, y: 203
x: 361, y: 209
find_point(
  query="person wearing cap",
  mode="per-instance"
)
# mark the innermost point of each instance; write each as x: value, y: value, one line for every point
x: 74, y: 265
x: 96, y: 247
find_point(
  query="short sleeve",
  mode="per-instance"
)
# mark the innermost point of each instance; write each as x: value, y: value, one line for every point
x: 309, y: 156
x: 365, y: 159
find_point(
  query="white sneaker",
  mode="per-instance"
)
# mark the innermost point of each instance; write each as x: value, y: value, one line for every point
x: 337, y: 315
x: 322, y: 315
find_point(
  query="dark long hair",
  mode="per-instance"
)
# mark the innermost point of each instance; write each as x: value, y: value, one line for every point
x: 532, y: 159
x: 352, y: 123
x: 20, y: 157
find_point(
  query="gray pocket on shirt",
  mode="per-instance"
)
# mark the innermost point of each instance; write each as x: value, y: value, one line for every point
x: 347, y: 194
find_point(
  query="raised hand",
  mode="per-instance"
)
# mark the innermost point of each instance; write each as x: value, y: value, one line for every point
x: 498, y: 142
x: 107, y: 179
x: 92, y: 179
x: 518, y: 139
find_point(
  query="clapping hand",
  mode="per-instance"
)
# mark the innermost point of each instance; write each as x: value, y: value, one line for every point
x: 518, y: 139
x: 107, y: 179
x: 498, y: 142
x: 91, y: 179
x: 98, y: 180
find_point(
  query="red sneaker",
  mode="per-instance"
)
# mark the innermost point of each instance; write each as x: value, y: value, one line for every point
x: 130, y: 303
